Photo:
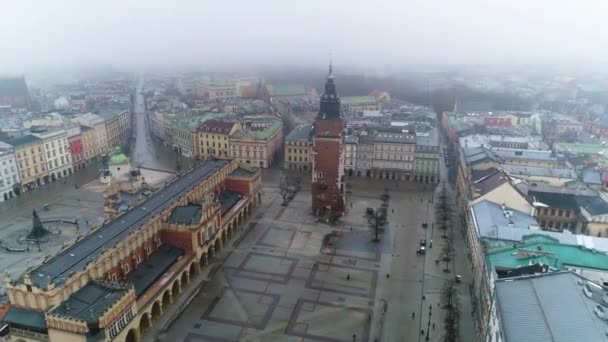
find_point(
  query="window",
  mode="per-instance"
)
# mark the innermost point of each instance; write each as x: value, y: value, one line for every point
x: 560, y: 212
x: 552, y: 212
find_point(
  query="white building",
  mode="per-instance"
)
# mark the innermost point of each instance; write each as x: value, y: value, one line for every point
x: 9, y: 175
x: 56, y: 150
x: 350, y: 156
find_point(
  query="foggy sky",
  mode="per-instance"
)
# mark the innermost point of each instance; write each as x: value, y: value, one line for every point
x: 58, y: 33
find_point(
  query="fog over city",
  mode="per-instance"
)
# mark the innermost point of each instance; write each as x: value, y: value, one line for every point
x: 40, y: 34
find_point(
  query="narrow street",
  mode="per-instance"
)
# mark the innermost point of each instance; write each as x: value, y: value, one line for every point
x: 147, y: 152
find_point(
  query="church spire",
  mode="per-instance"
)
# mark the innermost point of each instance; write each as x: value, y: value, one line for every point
x: 330, y: 102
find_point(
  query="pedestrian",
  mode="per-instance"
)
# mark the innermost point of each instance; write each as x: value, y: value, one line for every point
x: 433, y: 325
x: 423, y: 297
x: 413, y: 314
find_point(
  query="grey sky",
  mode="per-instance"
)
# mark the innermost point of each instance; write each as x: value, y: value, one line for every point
x: 37, y: 34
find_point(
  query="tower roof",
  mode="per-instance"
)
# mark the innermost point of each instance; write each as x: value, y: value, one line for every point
x: 330, y: 101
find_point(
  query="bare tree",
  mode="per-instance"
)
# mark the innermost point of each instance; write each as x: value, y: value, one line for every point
x: 376, y: 221
x: 449, y: 296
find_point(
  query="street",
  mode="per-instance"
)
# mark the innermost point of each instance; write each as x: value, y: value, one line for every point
x: 147, y: 152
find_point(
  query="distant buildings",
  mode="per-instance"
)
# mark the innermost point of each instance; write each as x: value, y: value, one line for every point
x: 212, y: 89
x: 355, y: 105
x: 14, y: 95
x: 292, y: 93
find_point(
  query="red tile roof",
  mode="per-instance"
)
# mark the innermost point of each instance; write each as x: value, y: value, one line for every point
x: 215, y: 126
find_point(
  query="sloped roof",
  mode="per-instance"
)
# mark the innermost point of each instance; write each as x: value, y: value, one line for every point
x: 490, y: 218
x: 90, y: 302
x: 549, y: 307
x: 24, y: 140
x: 77, y: 256
x: 216, y: 126
x: 300, y: 133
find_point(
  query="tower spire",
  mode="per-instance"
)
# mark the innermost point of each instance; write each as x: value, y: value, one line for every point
x: 331, y: 73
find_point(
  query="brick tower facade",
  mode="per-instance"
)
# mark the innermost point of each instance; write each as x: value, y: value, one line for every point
x: 328, y: 161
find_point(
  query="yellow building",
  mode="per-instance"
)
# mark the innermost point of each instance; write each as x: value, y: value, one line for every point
x: 98, y: 124
x: 211, y: 139
x: 116, y: 282
x: 31, y: 162
x: 87, y: 135
x: 298, y: 149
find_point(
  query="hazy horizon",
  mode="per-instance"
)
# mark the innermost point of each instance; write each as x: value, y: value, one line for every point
x: 382, y: 34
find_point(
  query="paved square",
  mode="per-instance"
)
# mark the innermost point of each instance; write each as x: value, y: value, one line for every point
x: 241, y: 307
x: 287, y: 277
x: 352, y: 321
x: 343, y: 280
x: 260, y: 266
x: 277, y: 237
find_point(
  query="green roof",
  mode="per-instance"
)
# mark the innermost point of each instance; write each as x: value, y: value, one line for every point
x: 25, y: 318
x: 119, y: 158
x: 355, y: 100
x: 24, y: 140
x: 193, y: 122
x: 287, y: 90
x: 586, y: 148
x: 261, y: 133
x: 553, y: 254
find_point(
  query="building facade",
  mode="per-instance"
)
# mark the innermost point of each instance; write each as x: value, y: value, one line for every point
x: 298, y: 149
x: 258, y: 143
x: 133, y: 273
x: 211, y: 138
x: 117, y: 126
x: 10, y: 184
x: 56, y: 151
x: 350, y: 155
x: 426, y: 160
x: 31, y: 162
x: 393, y: 155
x: 76, y: 147
x: 215, y: 90
x: 328, y: 193
x: 100, y: 146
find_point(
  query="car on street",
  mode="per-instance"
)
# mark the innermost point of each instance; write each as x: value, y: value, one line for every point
x: 422, y: 242
x: 421, y: 251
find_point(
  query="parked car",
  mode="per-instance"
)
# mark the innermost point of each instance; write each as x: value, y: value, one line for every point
x: 421, y: 251
x: 422, y: 242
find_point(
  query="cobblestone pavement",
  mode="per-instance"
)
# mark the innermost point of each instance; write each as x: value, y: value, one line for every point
x: 288, y: 278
